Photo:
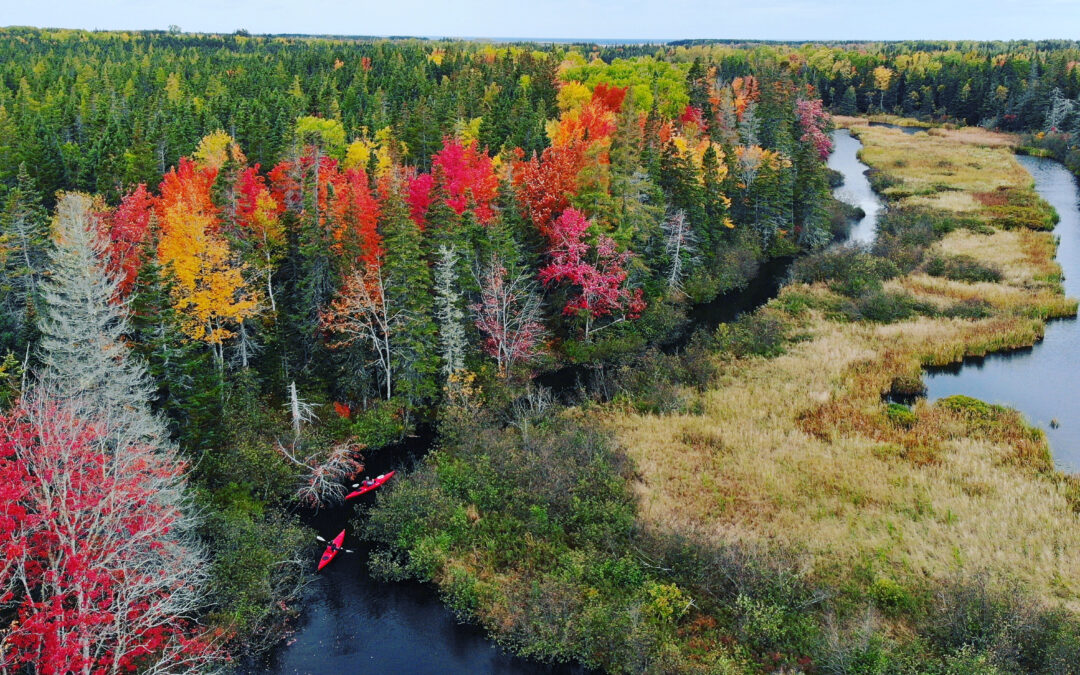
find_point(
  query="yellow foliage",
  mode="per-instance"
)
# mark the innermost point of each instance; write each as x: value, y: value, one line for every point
x: 172, y: 88
x: 573, y: 95
x: 358, y: 154
x: 209, y: 288
x: 882, y: 77
x: 215, y: 149
x: 468, y: 131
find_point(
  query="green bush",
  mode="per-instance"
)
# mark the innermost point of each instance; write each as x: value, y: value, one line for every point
x: 380, y: 425
x: 962, y: 268
x: 969, y: 309
x: 886, y: 307
x: 907, y: 386
x: 975, y: 619
x: 850, y: 270
x: 900, y: 415
x: 763, y: 333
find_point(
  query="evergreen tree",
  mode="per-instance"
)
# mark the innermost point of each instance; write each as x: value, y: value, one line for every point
x: 24, y: 240
x: 408, y: 289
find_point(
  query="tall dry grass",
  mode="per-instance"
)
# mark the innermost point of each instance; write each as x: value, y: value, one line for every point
x: 800, y: 450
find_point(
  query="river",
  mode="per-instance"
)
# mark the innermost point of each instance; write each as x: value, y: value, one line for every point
x: 352, y: 623
x: 1039, y: 381
x: 855, y: 189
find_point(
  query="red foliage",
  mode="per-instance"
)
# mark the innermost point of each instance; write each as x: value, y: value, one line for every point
x: 355, y: 214
x: 250, y: 189
x: 468, y: 177
x: 85, y: 567
x: 342, y: 410
x: 546, y: 184
x: 419, y: 196
x: 465, y: 175
x: 289, y: 182
x: 693, y: 115
x: 813, y: 120
x: 365, y: 62
x: 190, y: 186
x: 601, y: 283
x: 611, y: 98
x: 128, y: 226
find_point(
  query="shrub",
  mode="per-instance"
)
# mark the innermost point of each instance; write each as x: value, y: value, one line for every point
x: 763, y: 333
x: 850, y: 270
x: 907, y: 386
x: 969, y: 309
x: 885, y: 307
x: 962, y: 268
x: 1003, y: 623
x: 841, y: 215
x: 900, y: 415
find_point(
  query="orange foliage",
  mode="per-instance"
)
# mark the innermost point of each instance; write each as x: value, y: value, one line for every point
x: 355, y: 214
x: 209, y: 289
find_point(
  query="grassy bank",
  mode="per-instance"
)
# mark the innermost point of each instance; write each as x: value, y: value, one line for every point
x: 801, y: 452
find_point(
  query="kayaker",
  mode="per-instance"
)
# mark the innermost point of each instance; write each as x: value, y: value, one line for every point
x: 368, y: 482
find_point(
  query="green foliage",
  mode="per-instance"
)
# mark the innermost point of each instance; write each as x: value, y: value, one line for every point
x: 651, y: 81
x: 543, y: 509
x: 762, y: 333
x: 849, y: 270
x: 977, y: 620
x: 257, y: 570
x: 886, y: 307
x: 900, y: 415
x: 961, y: 268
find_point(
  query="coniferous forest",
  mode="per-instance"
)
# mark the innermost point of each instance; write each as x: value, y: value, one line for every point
x: 239, y: 271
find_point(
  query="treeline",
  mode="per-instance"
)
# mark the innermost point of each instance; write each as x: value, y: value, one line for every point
x: 1008, y: 85
x: 313, y: 246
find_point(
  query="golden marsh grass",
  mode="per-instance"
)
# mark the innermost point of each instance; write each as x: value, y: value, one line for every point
x: 798, y: 450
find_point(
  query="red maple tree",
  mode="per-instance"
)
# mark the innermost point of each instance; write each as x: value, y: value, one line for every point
x: 92, y: 580
x: 127, y: 227
x: 600, y: 288
x: 467, y: 177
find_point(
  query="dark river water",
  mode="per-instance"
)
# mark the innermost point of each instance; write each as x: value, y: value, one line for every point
x: 1041, y: 381
x: 355, y: 624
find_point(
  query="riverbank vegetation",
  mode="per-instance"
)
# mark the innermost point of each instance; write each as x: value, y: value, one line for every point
x: 294, y: 253
x: 888, y: 505
x: 316, y: 248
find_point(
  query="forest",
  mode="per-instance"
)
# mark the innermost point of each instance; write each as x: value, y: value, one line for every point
x: 234, y: 268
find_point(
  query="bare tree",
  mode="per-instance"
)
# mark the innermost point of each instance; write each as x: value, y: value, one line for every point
x: 680, y: 242
x: 325, y: 470
x: 508, y: 314
x: 361, y: 313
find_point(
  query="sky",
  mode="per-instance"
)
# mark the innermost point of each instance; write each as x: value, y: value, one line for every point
x: 575, y: 19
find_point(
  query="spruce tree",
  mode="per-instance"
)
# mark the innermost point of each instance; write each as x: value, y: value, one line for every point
x: 408, y: 289
x: 23, y: 235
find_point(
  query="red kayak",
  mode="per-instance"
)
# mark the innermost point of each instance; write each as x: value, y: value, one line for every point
x: 332, y: 549
x: 368, y: 488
